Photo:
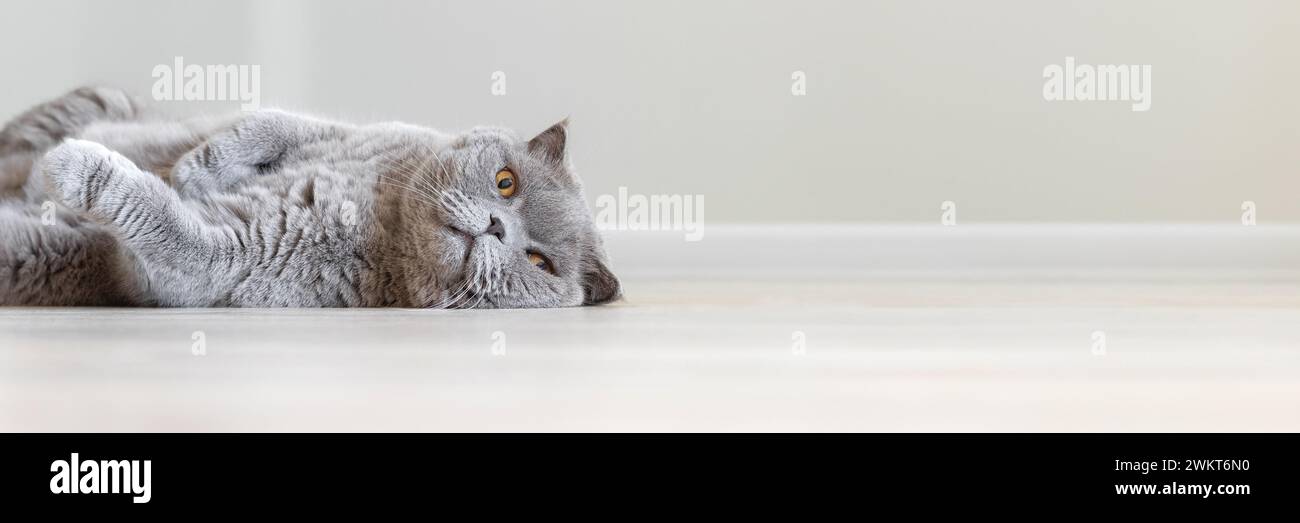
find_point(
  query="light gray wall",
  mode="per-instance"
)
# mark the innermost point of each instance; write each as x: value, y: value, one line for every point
x: 909, y: 103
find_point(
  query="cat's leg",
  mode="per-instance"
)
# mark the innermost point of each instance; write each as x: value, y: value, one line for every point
x: 14, y: 171
x: 253, y: 146
x: 25, y: 138
x: 183, y: 258
x: 59, y: 259
x: 157, y: 145
x: 44, y: 126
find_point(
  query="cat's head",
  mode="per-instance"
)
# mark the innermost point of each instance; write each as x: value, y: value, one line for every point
x: 504, y: 224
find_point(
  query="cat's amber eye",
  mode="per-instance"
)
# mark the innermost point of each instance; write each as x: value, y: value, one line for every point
x: 540, y: 262
x: 506, y: 183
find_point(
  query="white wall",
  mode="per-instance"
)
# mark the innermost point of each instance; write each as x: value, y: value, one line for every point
x: 909, y: 104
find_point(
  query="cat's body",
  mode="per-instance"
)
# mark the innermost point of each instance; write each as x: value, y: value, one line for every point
x: 272, y: 209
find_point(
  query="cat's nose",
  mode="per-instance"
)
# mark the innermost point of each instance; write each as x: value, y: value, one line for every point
x: 496, y: 228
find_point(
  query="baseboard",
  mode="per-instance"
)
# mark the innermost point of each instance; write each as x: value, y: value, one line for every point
x: 1046, y: 251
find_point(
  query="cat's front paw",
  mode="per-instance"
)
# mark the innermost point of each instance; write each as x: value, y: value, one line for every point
x: 78, y: 172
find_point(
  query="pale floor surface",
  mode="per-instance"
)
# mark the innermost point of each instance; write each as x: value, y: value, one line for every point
x: 683, y: 355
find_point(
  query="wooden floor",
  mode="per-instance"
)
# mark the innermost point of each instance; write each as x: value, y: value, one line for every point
x: 783, y: 354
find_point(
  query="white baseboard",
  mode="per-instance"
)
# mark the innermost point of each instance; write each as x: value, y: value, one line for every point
x: 1040, y: 251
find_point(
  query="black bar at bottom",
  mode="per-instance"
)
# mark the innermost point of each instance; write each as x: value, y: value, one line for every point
x: 793, y: 473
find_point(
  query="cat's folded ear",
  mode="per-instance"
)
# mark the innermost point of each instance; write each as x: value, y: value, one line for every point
x: 549, y: 145
x: 599, y: 285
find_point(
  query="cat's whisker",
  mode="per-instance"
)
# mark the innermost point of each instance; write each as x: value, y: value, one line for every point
x: 452, y: 297
x: 418, y: 193
x: 417, y: 179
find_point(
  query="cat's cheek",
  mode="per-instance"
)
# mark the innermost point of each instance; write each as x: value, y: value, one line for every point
x: 572, y: 296
x: 450, y: 254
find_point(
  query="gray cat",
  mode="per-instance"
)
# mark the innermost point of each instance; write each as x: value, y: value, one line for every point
x: 271, y: 209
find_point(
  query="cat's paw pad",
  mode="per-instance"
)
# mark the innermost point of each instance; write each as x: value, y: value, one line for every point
x: 78, y: 172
